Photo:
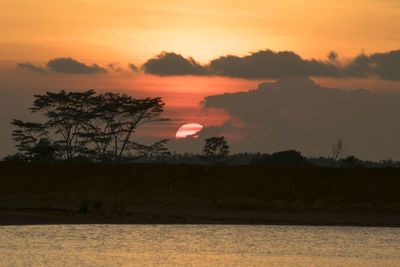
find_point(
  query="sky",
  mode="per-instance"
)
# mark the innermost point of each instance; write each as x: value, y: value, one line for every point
x: 186, y: 51
x: 133, y: 31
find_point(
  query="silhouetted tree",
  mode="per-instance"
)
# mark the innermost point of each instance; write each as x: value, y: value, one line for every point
x: 337, y: 150
x: 215, y: 149
x: 27, y: 136
x: 155, y: 152
x: 389, y: 163
x: 16, y: 157
x: 282, y: 158
x: 44, y: 150
x: 351, y: 161
x: 114, y: 119
x: 86, y: 125
x: 66, y: 114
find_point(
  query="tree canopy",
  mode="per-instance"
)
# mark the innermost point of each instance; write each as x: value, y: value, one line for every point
x: 88, y: 125
x: 215, y: 149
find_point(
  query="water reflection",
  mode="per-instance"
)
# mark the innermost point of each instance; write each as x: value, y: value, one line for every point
x: 198, y: 245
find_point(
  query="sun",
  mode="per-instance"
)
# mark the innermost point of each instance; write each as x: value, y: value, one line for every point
x: 188, y: 129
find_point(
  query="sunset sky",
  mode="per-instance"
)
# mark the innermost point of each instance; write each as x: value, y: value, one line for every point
x: 125, y: 31
x: 117, y: 45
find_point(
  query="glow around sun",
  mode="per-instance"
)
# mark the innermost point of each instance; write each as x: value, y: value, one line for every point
x: 188, y: 129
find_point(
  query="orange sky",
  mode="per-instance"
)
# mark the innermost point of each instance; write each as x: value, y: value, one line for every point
x: 125, y: 31
x: 133, y: 31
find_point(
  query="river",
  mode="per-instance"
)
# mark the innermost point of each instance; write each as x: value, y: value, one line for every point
x: 198, y: 245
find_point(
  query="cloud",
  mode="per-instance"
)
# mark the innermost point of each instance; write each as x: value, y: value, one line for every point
x: 133, y: 68
x: 268, y: 64
x: 385, y: 66
x: 70, y: 65
x: 115, y: 67
x: 32, y: 67
x: 170, y: 64
x: 263, y: 64
x: 65, y: 65
x: 333, y: 56
x: 296, y: 113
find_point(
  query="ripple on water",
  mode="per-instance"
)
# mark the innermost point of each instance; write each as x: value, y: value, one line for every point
x: 198, y: 245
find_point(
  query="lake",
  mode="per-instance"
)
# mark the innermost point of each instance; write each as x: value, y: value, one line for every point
x: 198, y: 245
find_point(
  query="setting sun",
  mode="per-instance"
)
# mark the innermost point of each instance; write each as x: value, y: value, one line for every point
x: 189, y: 129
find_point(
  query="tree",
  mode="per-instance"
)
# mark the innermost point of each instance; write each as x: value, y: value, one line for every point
x: 351, y: 161
x: 86, y: 124
x: 338, y: 150
x: 113, y: 120
x: 154, y: 152
x: 44, y: 150
x: 282, y: 158
x: 27, y: 136
x: 66, y: 114
x: 215, y: 149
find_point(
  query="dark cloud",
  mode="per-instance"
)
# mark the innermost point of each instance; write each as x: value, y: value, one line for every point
x: 32, y: 67
x: 264, y: 64
x: 333, y: 56
x: 70, y: 65
x: 385, y: 66
x: 269, y: 64
x: 133, y: 68
x: 115, y: 67
x: 296, y: 113
x: 169, y: 64
x: 65, y: 65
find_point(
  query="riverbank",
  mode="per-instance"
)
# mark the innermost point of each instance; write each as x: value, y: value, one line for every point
x: 34, y: 217
x: 154, y: 193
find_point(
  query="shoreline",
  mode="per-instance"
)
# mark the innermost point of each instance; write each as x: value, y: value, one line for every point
x: 35, y: 217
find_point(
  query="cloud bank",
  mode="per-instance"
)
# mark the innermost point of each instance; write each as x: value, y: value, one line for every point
x: 385, y: 66
x: 170, y: 64
x: 296, y: 113
x: 65, y: 65
x: 267, y: 64
x: 263, y: 64
x: 32, y: 67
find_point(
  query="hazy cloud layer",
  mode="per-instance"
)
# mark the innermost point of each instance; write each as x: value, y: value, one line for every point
x: 65, y: 65
x: 169, y: 64
x: 32, y: 67
x: 133, y: 68
x: 267, y: 64
x: 115, y: 67
x: 296, y: 113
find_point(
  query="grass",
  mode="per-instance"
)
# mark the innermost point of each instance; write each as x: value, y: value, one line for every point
x: 123, y: 188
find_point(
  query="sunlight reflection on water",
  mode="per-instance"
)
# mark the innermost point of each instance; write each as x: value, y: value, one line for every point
x: 198, y: 245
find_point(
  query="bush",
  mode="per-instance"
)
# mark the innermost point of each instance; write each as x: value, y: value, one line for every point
x: 283, y: 158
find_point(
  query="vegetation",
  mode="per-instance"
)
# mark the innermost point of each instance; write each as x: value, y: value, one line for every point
x: 86, y: 125
x: 215, y: 149
x: 337, y: 150
x: 111, y: 187
x: 283, y: 158
x: 59, y: 167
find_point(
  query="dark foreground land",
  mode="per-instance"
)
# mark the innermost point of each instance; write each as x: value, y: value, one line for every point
x: 44, y: 193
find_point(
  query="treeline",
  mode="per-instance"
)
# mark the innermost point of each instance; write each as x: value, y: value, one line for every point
x: 86, y: 126
x: 282, y: 158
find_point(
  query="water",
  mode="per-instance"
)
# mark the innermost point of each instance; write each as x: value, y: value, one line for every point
x: 198, y: 245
